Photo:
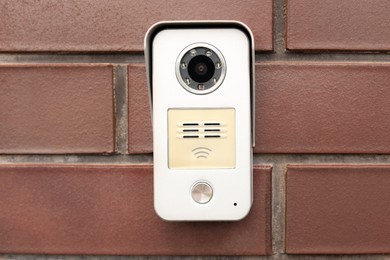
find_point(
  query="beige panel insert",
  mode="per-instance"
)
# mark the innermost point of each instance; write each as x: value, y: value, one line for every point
x: 201, y: 138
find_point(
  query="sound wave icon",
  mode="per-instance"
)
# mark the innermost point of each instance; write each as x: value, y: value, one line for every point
x: 201, y: 152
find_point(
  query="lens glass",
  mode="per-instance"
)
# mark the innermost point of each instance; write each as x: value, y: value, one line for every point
x: 201, y: 68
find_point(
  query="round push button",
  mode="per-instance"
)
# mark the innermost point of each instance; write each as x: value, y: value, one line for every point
x: 202, y: 192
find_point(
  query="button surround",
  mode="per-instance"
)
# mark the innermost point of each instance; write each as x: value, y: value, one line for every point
x: 202, y: 192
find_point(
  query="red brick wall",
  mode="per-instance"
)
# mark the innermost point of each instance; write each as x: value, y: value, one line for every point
x: 75, y: 130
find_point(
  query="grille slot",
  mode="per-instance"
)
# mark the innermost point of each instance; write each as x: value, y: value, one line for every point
x: 190, y: 130
x: 212, y: 136
x: 212, y: 130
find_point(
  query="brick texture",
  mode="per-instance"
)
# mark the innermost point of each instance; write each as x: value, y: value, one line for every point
x: 302, y: 107
x: 108, y: 209
x: 321, y: 97
x: 56, y: 109
x: 99, y: 25
x: 338, y: 25
x: 323, y: 108
x: 338, y: 209
x: 140, y: 123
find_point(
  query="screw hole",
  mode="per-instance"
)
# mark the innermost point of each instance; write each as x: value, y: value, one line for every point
x: 235, y: 204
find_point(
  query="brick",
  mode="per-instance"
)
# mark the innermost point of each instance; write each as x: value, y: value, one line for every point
x: 99, y: 25
x: 338, y: 25
x: 56, y: 108
x: 338, y: 209
x: 108, y: 209
x: 301, y: 107
x: 140, y: 123
x: 309, y: 107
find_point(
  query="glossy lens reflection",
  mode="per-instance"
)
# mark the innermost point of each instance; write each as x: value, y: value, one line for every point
x: 201, y: 68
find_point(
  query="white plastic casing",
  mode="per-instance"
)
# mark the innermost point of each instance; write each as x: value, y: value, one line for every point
x: 232, y: 188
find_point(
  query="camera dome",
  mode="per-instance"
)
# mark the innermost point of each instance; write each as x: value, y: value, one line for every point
x: 200, y: 68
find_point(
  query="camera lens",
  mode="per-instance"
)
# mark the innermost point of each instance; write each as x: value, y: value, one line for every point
x: 201, y: 69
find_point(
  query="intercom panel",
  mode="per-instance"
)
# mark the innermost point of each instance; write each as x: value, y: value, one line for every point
x: 201, y: 89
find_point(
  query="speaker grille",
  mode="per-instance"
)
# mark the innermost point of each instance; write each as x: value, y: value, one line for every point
x: 201, y: 130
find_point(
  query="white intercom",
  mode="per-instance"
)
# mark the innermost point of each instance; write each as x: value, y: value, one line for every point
x: 201, y: 87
